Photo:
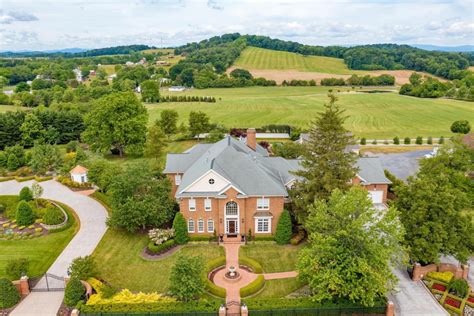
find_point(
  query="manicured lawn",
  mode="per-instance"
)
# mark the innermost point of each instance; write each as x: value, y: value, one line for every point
x: 118, y: 256
x: 375, y: 115
x: 393, y: 149
x: 272, y: 257
x: 279, y: 288
x: 41, y: 251
x: 260, y: 58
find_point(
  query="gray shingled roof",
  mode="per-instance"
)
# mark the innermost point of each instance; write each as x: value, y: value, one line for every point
x: 251, y: 172
x: 371, y: 171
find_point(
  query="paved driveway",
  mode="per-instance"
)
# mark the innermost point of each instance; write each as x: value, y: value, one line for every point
x: 403, y: 165
x: 92, y: 216
x: 412, y: 298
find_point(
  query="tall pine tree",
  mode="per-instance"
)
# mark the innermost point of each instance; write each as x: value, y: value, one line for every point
x: 326, y: 164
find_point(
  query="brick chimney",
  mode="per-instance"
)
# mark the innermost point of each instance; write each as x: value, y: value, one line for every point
x: 252, y: 138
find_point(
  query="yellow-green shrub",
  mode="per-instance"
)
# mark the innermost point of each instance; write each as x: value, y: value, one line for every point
x: 127, y: 297
x: 441, y: 276
x: 251, y: 263
x: 253, y: 287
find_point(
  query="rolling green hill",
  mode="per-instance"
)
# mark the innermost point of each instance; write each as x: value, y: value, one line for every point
x: 260, y: 58
x: 380, y: 115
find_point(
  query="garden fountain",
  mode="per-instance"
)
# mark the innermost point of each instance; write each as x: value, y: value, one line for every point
x: 232, y: 274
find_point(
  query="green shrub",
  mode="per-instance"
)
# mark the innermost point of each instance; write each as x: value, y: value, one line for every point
x: 396, y: 140
x: 15, y: 268
x: 264, y: 238
x: 374, y: 142
x: 363, y: 141
x: 445, y: 277
x: 26, y: 194
x: 74, y: 292
x: 12, y: 163
x: 83, y: 268
x: 460, y: 287
x: 24, y: 214
x: 307, y: 302
x: 155, y: 249
x: 164, y: 307
x: 284, y: 229
x: 251, y: 263
x: 186, y: 282
x: 181, y: 229
x: 3, y: 159
x: 200, y: 238
x: 441, y: 140
x: 253, y: 287
x: 429, y: 141
x: 407, y: 141
x: 9, y: 294
x: 419, y: 140
x: 53, y: 216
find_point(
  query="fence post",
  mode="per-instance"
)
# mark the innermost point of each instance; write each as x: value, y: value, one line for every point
x: 244, y: 310
x: 24, y: 286
x: 222, y: 311
x: 75, y: 312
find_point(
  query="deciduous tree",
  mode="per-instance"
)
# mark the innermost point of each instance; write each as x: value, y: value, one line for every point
x: 185, y: 279
x: 117, y: 121
x: 168, y: 121
x: 155, y: 141
x: 351, y: 248
x: 150, y: 90
x: 198, y: 123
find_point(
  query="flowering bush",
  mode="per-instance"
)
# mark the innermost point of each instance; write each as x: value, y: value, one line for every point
x: 159, y: 236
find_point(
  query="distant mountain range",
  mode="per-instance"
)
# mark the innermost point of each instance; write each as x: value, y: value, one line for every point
x: 53, y: 51
x: 462, y: 48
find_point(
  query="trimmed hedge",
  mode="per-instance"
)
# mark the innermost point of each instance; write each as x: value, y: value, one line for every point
x: 253, y: 287
x: 211, y: 287
x: 305, y: 302
x: 9, y: 294
x: 264, y: 238
x: 155, y: 249
x: 251, y: 263
x: 194, y: 306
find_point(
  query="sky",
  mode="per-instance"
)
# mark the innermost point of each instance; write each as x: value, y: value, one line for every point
x: 55, y: 24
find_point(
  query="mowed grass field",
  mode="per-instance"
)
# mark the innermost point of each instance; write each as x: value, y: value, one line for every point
x: 374, y: 115
x: 260, y: 58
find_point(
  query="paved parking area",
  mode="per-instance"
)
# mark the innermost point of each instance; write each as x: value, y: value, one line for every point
x: 402, y: 165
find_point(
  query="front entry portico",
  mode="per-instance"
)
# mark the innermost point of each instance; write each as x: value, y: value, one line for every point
x: 231, y: 227
x: 232, y: 218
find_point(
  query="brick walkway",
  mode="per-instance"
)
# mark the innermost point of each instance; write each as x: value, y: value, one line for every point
x: 233, y: 287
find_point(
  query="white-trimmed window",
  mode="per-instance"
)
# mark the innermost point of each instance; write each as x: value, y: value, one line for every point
x: 177, y: 179
x: 210, y: 226
x: 192, y: 204
x: 231, y: 208
x: 190, y: 226
x: 263, y: 203
x: 263, y: 225
x: 208, y: 204
x: 200, y: 225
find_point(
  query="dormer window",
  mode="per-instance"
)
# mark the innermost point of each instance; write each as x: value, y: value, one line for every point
x: 211, y: 181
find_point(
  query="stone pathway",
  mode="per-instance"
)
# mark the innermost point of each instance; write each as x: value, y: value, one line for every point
x: 92, y: 216
x: 233, y: 287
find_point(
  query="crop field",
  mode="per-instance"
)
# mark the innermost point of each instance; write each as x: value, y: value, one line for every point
x: 279, y: 66
x: 260, y: 58
x: 371, y: 115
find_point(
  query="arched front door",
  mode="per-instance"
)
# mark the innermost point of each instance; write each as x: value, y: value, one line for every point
x: 232, y: 218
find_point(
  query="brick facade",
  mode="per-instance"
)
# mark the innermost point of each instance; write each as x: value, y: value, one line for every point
x: 373, y: 187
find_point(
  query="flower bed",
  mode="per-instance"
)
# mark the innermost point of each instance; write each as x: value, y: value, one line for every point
x: 438, y: 287
x: 454, y: 304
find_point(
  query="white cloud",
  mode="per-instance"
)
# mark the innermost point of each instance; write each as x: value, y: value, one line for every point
x: 100, y: 23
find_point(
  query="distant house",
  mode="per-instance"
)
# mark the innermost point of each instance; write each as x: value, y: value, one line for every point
x: 163, y: 63
x: 304, y: 138
x: 234, y: 187
x: 176, y: 88
x: 165, y: 80
x: 129, y: 63
x: 79, y: 174
x: 78, y: 74
x: 92, y: 73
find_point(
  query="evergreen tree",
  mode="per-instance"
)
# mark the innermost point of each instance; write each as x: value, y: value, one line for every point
x: 74, y: 292
x: 9, y: 294
x: 12, y: 163
x: 284, y: 229
x: 24, y: 214
x: 26, y: 194
x: 326, y: 164
x: 181, y: 229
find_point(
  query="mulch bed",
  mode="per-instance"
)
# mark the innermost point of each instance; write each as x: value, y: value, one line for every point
x: 146, y: 255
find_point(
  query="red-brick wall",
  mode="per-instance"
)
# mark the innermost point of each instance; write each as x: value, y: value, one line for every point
x: 372, y: 187
x: 247, y: 209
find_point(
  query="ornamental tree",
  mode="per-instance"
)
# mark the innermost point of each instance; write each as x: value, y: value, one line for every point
x: 186, y: 278
x: 284, y: 229
x: 24, y: 214
x: 118, y: 120
x: 181, y: 229
x: 352, y: 247
x: 433, y: 206
x: 326, y: 165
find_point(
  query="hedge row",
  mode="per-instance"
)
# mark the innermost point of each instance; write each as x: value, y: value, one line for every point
x: 253, y: 287
x: 251, y: 263
x: 156, y: 249
x: 193, y: 306
x: 211, y: 287
x: 306, y: 302
x: 23, y: 179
